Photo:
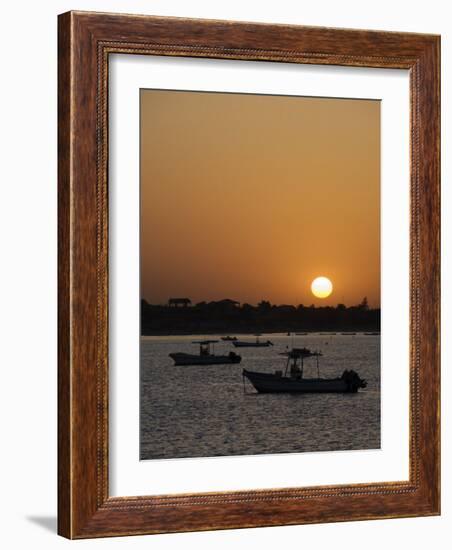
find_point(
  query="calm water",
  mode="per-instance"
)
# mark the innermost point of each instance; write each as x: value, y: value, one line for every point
x: 198, y: 411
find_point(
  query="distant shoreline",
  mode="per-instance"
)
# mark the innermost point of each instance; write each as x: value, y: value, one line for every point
x: 230, y: 317
x: 327, y: 332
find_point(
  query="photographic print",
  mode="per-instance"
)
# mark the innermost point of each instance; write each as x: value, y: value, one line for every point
x: 220, y: 310
x: 260, y: 274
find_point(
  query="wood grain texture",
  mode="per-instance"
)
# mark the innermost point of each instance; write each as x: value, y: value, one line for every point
x: 64, y: 297
x: 85, y: 42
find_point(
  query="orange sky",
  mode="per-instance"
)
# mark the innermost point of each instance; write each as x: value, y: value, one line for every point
x: 251, y: 197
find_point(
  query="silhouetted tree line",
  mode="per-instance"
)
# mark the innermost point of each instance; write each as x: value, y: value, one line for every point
x: 229, y: 317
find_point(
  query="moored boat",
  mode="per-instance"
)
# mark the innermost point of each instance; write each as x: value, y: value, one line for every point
x: 294, y: 382
x: 229, y: 338
x: 252, y: 344
x: 206, y: 356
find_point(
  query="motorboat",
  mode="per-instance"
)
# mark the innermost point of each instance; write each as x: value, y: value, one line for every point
x: 206, y: 355
x: 293, y: 380
x: 252, y: 343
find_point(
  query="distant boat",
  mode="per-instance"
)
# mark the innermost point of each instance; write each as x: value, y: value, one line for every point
x: 294, y: 382
x: 229, y: 338
x: 301, y: 333
x: 205, y: 356
x: 348, y: 333
x: 252, y: 344
x: 371, y: 334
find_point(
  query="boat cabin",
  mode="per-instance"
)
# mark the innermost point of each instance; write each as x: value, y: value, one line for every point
x: 205, y: 346
x: 295, y: 360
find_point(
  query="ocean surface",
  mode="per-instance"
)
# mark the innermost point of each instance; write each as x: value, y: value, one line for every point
x: 206, y: 411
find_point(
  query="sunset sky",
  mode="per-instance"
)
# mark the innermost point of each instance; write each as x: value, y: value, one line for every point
x: 251, y: 197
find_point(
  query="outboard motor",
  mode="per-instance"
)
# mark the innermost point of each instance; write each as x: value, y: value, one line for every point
x: 353, y: 381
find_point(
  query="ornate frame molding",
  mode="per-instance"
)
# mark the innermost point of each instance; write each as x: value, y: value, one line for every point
x: 85, y: 42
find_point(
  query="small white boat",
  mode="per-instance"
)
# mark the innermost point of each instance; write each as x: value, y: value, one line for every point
x: 252, y: 344
x: 206, y: 356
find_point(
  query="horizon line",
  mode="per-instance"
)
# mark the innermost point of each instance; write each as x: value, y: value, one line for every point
x: 191, y: 303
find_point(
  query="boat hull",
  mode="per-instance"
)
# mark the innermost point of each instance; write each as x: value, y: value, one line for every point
x: 274, y: 383
x: 191, y: 359
x: 239, y: 344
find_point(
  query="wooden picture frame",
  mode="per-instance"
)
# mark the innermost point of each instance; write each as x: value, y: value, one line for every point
x: 85, y: 508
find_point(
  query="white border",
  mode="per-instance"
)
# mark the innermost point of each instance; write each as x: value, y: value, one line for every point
x: 128, y: 475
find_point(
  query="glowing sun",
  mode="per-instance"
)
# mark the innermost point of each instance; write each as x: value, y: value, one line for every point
x: 321, y: 287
